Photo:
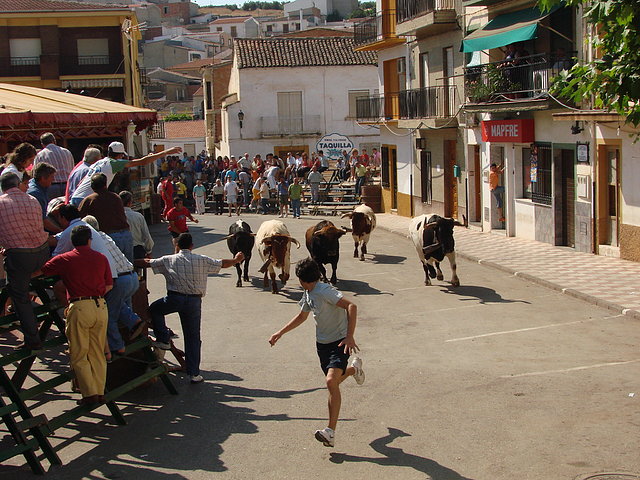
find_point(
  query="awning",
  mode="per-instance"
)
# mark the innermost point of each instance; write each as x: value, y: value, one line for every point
x: 505, y: 29
x: 22, y: 106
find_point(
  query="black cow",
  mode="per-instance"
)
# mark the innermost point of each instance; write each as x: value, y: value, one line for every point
x: 432, y: 236
x: 241, y: 239
x: 324, y: 246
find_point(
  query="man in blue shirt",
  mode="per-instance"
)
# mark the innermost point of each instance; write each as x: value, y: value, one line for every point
x: 43, y: 175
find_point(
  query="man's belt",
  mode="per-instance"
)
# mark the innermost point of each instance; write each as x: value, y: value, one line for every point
x: 78, y: 299
x: 122, y: 274
x: 29, y: 250
x: 172, y: 292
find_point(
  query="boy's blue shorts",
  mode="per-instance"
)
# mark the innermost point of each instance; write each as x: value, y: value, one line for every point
x: 332, y: 356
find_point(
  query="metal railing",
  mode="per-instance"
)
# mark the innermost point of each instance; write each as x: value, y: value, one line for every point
x: 430, y: 102
x: 93, y: 59
x: 23, y: 61
x: 290, y: 125
x: 408, y: 9
x: 521, y: 78
x: 158, y: 130
x: 378, y: 107
x: 375, y: 29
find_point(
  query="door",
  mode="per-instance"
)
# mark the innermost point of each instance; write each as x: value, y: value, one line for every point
x: 190, y: 149
x: 477, y: 184
x: 425, y: 176
x: 568, y: 198
x: 393, y: 157
x: 450, y: 181
x: 608, y: 195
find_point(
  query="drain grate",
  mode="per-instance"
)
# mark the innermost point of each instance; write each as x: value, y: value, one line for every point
x: 610, y: 476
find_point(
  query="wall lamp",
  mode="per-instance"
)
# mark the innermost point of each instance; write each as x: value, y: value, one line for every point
x: 576, y: 128
x: 240, y: 117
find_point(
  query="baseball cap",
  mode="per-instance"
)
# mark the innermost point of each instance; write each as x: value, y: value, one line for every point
x: 117, y: 147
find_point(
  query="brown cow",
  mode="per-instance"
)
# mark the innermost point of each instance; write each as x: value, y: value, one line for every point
x: 274, y: 245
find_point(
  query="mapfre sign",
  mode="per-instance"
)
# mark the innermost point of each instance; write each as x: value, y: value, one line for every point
x: 511, y: 131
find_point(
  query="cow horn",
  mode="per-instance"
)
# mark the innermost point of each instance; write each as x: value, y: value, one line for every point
x: 430, y: 226
x: 295, y: 241
x: 348, y: 214
x: 264, y: 267
x: 347, y: 229
x: 228, y: 237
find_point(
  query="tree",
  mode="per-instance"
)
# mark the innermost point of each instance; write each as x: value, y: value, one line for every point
x: 613, y: 79
x: 334, y: 16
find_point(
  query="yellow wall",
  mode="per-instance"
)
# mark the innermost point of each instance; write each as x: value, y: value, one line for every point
x: 404, y: 203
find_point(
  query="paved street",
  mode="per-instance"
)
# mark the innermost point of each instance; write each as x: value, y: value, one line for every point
x: 500, y: 378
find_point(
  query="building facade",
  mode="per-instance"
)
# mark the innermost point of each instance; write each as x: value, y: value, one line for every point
x: 72, y: 47
x: 288, y: 94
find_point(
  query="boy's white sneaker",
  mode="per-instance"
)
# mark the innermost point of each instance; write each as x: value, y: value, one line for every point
x: 327, y: 436
x: 358, y: 376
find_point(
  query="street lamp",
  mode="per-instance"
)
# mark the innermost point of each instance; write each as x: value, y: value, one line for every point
x: 240, y: 117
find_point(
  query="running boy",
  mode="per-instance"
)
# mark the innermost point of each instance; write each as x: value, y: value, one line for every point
x: 335, y: 319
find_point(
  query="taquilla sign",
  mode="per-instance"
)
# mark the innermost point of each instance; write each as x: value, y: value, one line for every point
x: 333, y: 144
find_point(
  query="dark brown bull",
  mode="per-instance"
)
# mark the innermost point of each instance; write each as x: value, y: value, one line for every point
x: 241, y: 239
x: 323, y: 243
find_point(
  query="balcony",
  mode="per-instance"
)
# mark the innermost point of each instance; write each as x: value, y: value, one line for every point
x: 522, y: 84
x: 19, y: 66
x: 434, y: 106
x: 290, y: 126
x: 91, y: 65
x: 425, y: 17
x: 377, y: 33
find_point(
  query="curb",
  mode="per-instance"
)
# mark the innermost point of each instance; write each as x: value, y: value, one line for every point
x: 621, y: 309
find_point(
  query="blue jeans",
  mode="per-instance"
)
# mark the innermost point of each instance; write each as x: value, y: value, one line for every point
x: 497, y: 193
x: 295, y: 207
x: 124, y: 240
x: 119, y: 306
x: 190, y: 311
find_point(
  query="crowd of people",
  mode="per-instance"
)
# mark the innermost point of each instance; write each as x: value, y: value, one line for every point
x: 61, y: 218
x: 262, y: 185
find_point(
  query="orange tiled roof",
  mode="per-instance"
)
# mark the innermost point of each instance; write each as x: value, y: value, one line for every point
x: 300, y: 52
x: 229, y: 20
x: 201, y: 62
x: 184, y: 129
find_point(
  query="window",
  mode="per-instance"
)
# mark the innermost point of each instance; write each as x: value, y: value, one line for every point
x: 209, y: 94
x: 165, y: 10
x: 218, y: 29
x: 289, y: 111
x: 426, y: 181
x: 297, y: 26
x: 285, y: 28
x: 353, y: 95
x: 540, y: 171
x: 25, y: 51
x: 269, y: 28
x: 234, y: 31
x: 424, y: 70
x: 195, y: 56
x: 93, y: 51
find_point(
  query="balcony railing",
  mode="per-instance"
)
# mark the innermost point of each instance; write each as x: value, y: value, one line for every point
x: 19, y: 66
x: 522, y: 78
x: 430, y: 102
x: 375, y: 29
x: 408, y: 9
x: 290, y: 125
x: 377, y: 107
x: 93, y: 59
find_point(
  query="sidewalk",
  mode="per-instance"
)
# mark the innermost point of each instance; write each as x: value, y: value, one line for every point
x: 607, y: 282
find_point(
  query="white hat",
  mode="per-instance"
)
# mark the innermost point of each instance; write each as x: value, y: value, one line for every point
x: 117, y: 147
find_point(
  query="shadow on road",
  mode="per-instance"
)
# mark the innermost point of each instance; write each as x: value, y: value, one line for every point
x: 387, y: 259
x: 358, y: 287
x: 482, y: 294
x: 396, y: 457
x: 182, y: 433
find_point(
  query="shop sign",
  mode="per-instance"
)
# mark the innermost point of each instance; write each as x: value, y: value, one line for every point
x: 508, y: 131
x: 333, y: 144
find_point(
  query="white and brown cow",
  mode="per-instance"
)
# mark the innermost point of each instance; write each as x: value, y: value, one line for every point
x: 274, y: 245
x: 432, y: 236
x: 363, y: 222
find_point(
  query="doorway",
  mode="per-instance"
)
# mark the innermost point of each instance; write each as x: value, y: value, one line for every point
x: 426, y: 177
x: 608, y: 195
x: 564, y: 211
x: 477, y: 185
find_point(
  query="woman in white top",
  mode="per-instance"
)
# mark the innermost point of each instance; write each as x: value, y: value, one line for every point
x: 20, y: 159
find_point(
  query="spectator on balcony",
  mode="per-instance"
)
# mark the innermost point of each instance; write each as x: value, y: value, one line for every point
x: 561, y: 61
x: 61, y: 159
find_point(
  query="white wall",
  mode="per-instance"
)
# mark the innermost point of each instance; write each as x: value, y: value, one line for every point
x: 324, y: 93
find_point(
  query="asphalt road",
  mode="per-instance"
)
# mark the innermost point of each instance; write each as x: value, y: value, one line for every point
x: 496, y: 379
